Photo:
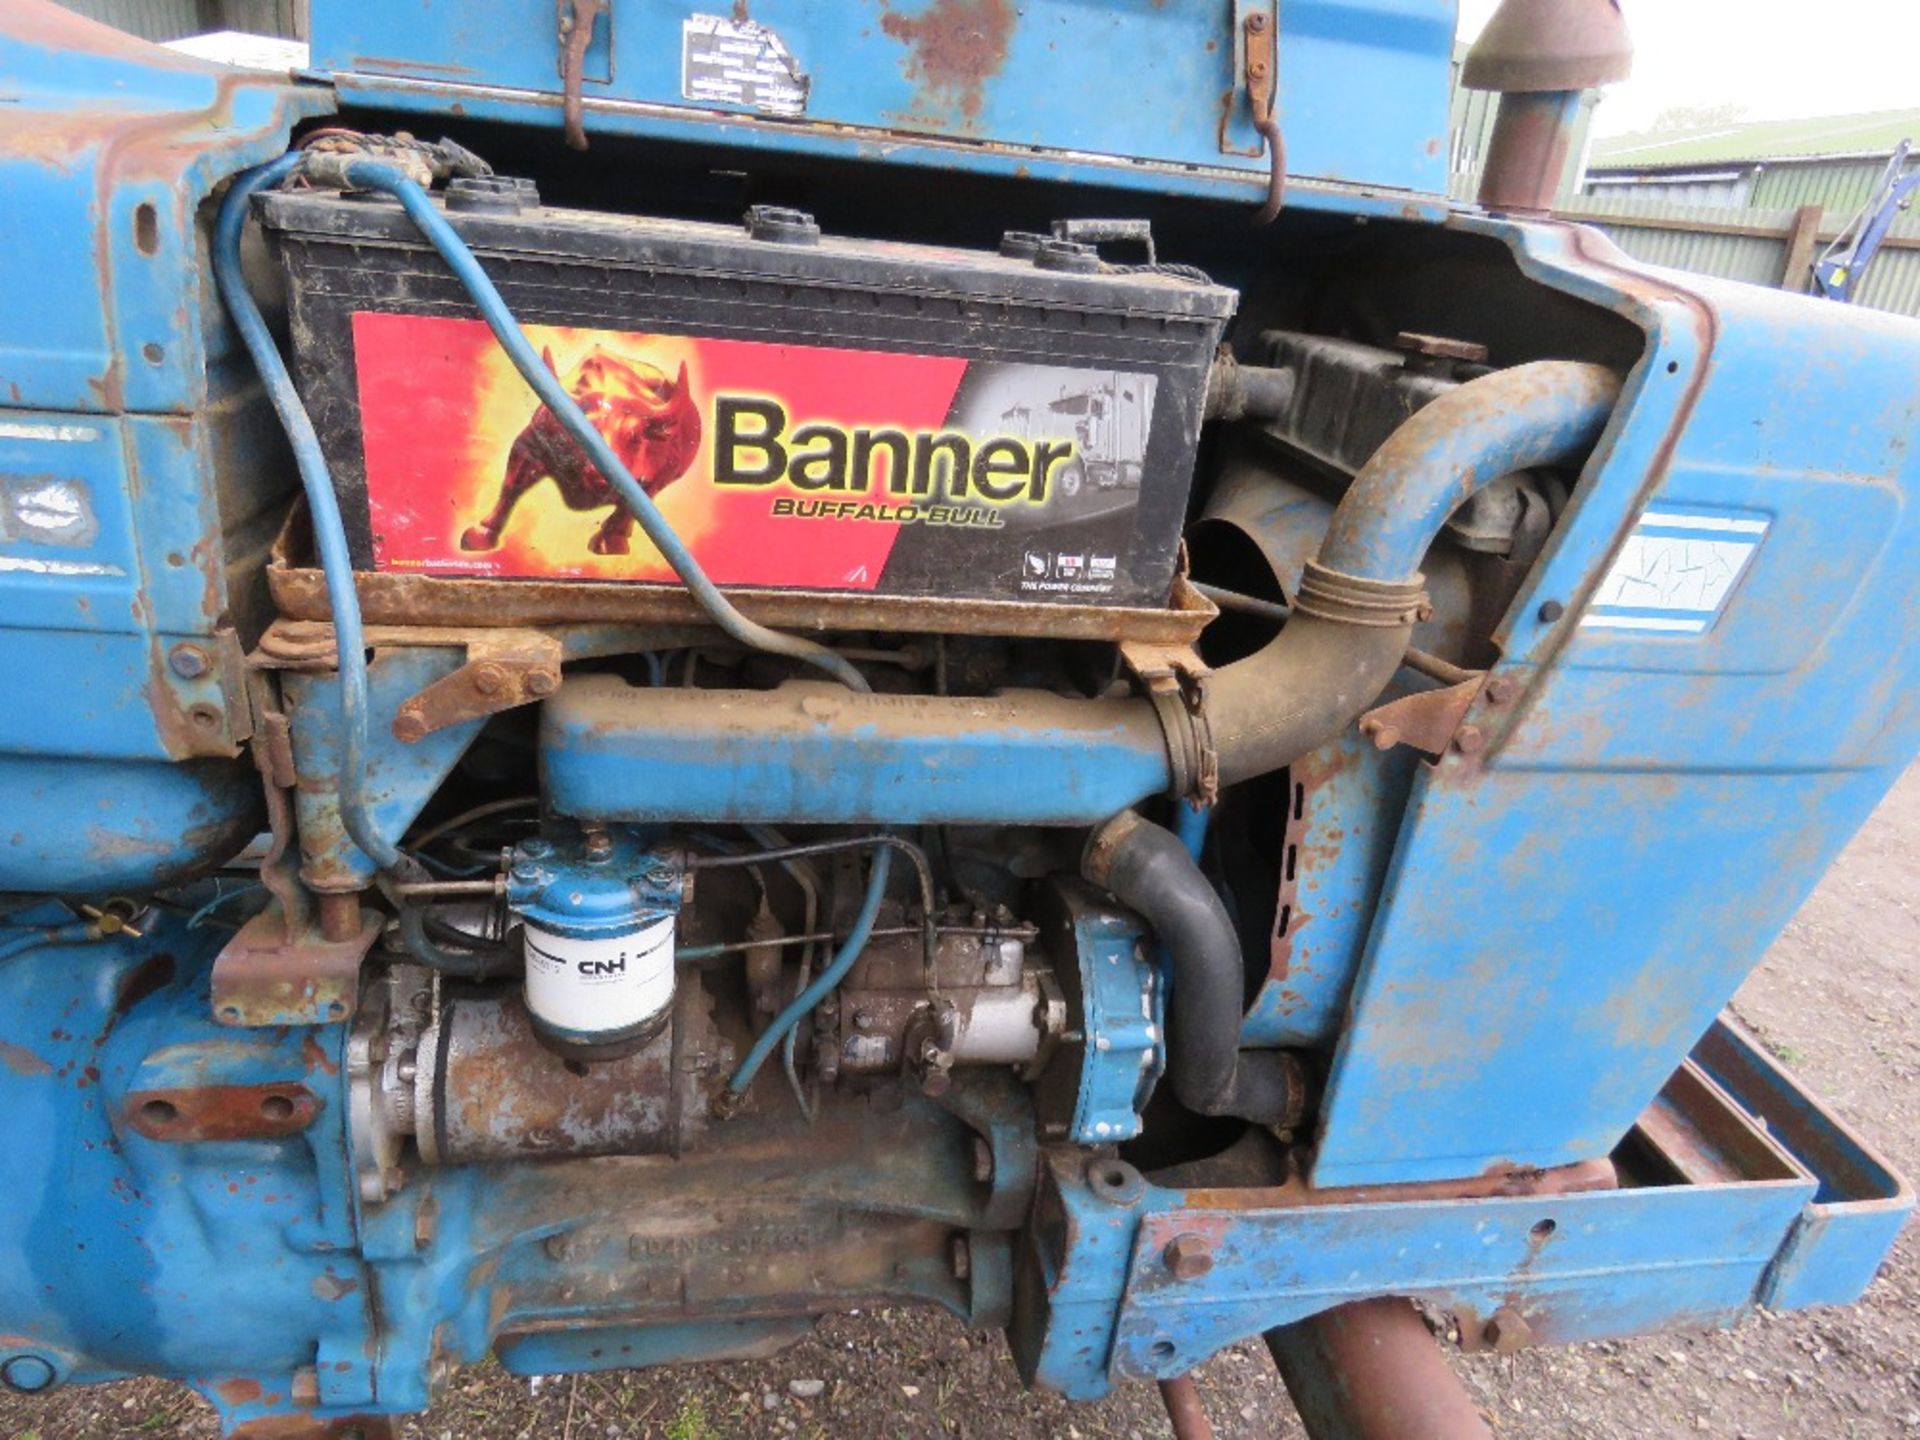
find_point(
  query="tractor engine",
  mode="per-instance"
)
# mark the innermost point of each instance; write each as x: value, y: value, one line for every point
x: 657, y: 699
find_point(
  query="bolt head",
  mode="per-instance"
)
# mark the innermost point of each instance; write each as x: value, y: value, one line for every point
x: 1551, y: 611
x: 489, y: 678
x: 1501, y: 690
x: 189, y: 662
x: 542, y: 682
x: 1189, y: 1257
x: 1256, y: 21
x: 1470, y: 740
x: 408, y: 727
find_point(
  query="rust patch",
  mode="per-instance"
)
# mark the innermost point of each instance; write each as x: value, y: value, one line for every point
x: 22, y: 1061
x: 238, y: 1392
x: 221, y: 1112
x: 334, y: 1287
x: 315, y: 1054
x: 953, y: 48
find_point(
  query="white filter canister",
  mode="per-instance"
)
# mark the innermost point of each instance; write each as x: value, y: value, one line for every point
x: 600, y: 989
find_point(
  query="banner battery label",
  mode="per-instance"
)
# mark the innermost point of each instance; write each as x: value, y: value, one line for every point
x: 784, y: 466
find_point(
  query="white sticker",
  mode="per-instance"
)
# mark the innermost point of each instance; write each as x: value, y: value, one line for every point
x: 739, y: 62
x: 1675, y: 572
x: 590, y: 987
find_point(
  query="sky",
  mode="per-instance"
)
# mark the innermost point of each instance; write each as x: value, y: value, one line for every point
x: 1782, y: 59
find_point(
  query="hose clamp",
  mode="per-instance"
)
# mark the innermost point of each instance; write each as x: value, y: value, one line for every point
x: 1346, y: 599
x: 1175, y: 681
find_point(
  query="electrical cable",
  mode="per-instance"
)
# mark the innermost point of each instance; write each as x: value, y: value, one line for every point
x: 323, y: 506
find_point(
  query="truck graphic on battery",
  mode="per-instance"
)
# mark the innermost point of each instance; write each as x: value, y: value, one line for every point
x: 1109, y: 421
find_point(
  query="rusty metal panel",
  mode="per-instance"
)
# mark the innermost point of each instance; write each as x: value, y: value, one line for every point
x: 1527, y: 1019
x: 981, y: 85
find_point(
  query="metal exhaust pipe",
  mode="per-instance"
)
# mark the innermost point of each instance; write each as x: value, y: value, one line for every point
x: 1371, y: 1371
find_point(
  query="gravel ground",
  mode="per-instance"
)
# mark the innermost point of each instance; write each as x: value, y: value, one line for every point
x: 1835, y: 998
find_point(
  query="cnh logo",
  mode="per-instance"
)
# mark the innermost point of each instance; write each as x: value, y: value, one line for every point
x: 593, y: 969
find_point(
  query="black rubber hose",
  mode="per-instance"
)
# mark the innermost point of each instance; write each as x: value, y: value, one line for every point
x: 1148, y: 869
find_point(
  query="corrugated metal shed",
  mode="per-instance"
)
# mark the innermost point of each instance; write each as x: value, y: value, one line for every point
x: 172, y: 19
x: 1871, y: 133
x: 1839, y: 186
x: 1698, y: 238
x: 1756, y: 259
x: 1678, y: 187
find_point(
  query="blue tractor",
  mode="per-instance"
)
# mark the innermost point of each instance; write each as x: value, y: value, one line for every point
x: 600, y: 782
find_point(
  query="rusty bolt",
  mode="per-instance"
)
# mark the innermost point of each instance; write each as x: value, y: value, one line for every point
x: 1256, y: 22
x: 961, y: 1254
x: 426, y: 1223
x: 862, y: 1020
x: 542, y: 681
x: 489, y: 678
x: 1441, y: 347
x: 1189, y: 1257
x: 189, y: 662
x: 1470, y: 740
x: 1507, y: 1331
x: 599, y: 845
x: 1258, y: 69
x: 306, y: 1387
x: 1501, y: 690
x: 408, y: 726
x: 982, y: 1160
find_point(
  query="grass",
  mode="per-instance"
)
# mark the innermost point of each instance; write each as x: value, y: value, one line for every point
x: 690, y: 1422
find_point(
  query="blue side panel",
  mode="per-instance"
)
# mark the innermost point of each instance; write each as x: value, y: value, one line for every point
x: 128, y: 1254
x: 966, y: 84
x: 77, y: 826
x: 118, y: 388
x: 108, y: 145
x: 1348, y: 798
x: 1568, y: 911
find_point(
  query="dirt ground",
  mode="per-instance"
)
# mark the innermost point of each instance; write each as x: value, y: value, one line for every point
x: 1836, y: 998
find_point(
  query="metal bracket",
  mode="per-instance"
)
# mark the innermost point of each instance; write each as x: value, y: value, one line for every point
x: 222, y: 1112
x: 576, y: 21
x: 264, y: 976
x: 1255, y: 39
x: 1429, y: 720
x: 1175, y: 679
x: 505, y: 669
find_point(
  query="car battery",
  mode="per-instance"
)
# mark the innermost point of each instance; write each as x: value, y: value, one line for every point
x: 904, y: 424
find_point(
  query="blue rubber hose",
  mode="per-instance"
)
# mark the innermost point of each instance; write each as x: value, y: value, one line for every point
x: 371, y: 175
x: 823, y: 983
x: 76, y: 933
x: 329, y: 536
